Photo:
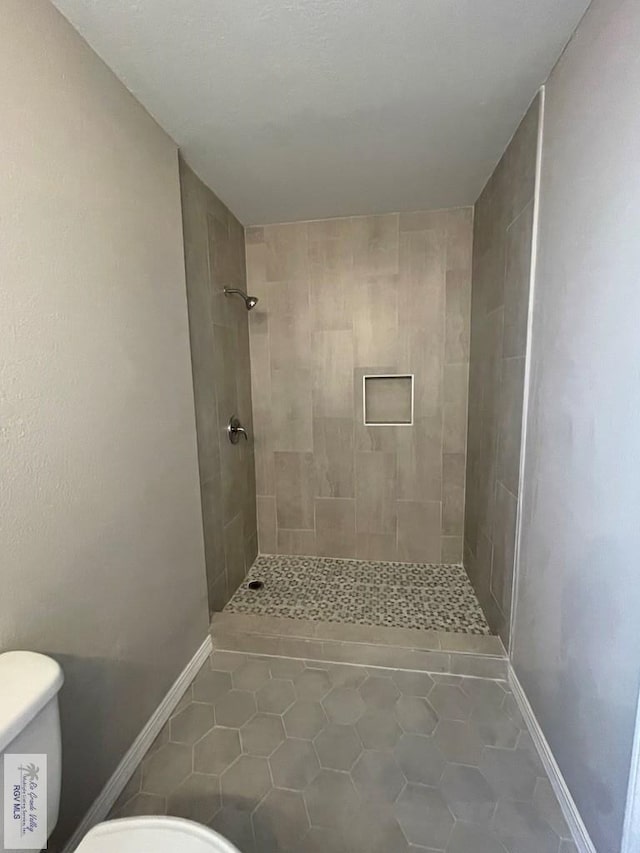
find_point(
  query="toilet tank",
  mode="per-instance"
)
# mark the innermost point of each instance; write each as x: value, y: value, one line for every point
x: 30, y: 721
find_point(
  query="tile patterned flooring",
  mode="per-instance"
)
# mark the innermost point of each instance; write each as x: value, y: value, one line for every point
x: 289, y: 756
x: 400, y: 595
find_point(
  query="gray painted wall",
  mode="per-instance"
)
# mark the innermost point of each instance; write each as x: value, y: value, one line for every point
x: 502, y: 229
x: 577, y: 627
x: 102, y: 561
x: 219, y: 330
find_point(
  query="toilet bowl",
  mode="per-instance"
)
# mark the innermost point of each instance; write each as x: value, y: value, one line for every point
x: 30, y: 724
x: 153, y: 835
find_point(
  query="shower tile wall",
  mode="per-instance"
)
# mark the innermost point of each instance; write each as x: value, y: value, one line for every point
x: 340, y: 299
x: 503, y: 223
x: 219, y: 332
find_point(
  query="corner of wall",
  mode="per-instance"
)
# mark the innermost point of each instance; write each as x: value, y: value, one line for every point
x: 527, y: 371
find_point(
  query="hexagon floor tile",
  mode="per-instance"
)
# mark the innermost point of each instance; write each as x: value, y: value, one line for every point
x: 292, y: 756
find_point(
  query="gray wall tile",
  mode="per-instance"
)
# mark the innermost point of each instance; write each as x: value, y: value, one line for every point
x: 517, y: 270
x: 420, y: 460
x: 454, y: 414
x: 503, y: 224
x: 234, y: 552
x: 294, y: 490
x: 419, y: 526
x: 266, y: 506
x: 340, y: 299
x: 423, y: 220
x: 458, y: 304
x: 423, y: 354
x: 451, y: 549
x: 333, y: 457
x: 376, y: 490
x: 332, y: 374
x: 296, y: 542
x: 261, y: 404
x: 330, y: 264
x: 291, y: 415
x: 510, y: 425
x: 219, y: 334
x: 459, y: 249
x: 250, y: 551
x: 504, y: 533
x: 453, y: 470
x: 335, y: 527
x: 375, y: 244
x: 421, y: 283
x: 286, y: 251
x: 376, y: 546
x: 289, y: 325
x: 375, y: 322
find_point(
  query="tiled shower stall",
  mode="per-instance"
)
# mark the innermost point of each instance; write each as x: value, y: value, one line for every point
x: 419, y: 298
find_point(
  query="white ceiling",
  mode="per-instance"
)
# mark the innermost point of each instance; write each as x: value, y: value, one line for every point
x: 303, y: 109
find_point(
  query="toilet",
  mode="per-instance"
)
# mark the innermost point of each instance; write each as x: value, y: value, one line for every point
x: 30, y: 723
x: 153, y: 835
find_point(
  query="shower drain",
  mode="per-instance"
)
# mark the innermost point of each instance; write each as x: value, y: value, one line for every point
x: 255, y: 585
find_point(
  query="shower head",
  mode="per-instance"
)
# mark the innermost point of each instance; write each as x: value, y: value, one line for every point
x: 249, y: 301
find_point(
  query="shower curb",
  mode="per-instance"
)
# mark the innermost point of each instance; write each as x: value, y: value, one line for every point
x: 423, y: 651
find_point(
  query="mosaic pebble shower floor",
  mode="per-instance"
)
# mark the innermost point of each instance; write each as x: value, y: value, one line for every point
x: 425, y: 596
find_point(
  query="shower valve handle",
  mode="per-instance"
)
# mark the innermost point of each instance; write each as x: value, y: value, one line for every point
x: 235, y: 430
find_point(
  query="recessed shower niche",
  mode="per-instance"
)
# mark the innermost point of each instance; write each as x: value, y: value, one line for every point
x: 388, y: 400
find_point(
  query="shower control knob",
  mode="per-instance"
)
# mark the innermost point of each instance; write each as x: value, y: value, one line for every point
x: 235, y: 430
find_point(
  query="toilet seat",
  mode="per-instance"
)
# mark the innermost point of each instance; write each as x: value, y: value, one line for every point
x: 153, y: 835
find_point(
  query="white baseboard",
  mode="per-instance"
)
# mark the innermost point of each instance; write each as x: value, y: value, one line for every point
x: 569, y: 809
x: 124, y: 771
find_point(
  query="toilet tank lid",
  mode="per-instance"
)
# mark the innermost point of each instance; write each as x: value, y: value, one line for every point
x: 27, y: 682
